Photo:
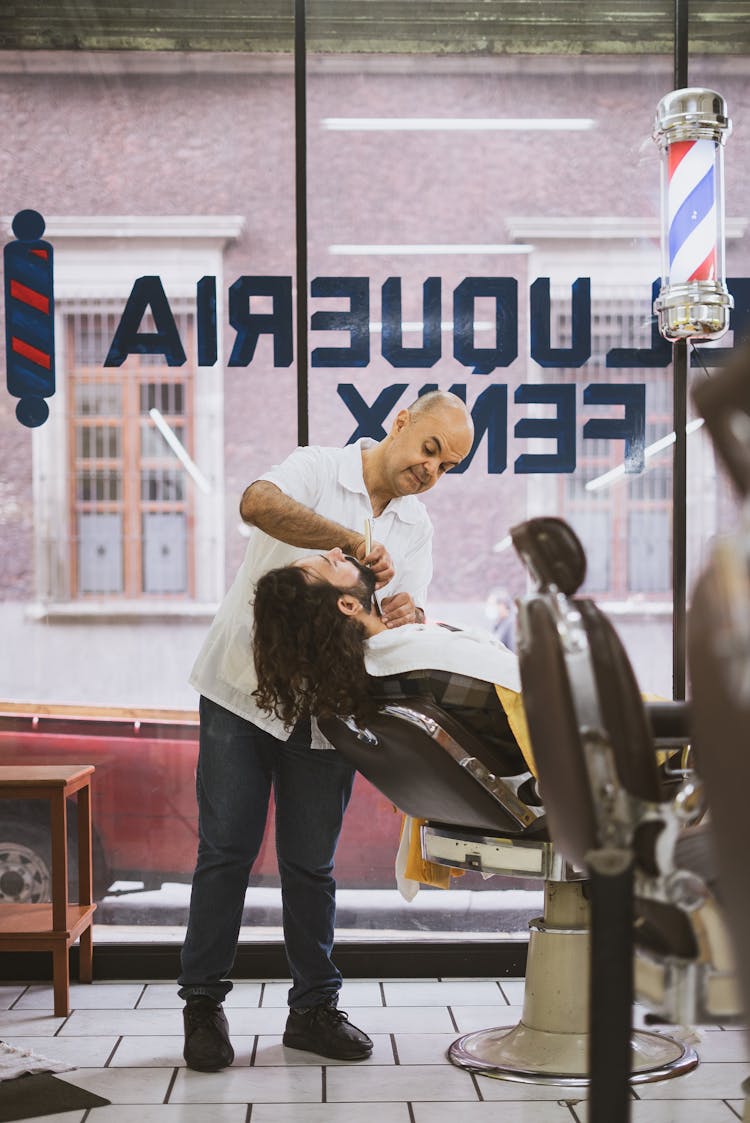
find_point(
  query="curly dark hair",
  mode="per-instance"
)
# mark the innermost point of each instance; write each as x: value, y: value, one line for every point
x: 309, y: 657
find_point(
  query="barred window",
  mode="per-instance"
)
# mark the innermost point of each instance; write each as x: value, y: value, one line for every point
x: 131, y: 511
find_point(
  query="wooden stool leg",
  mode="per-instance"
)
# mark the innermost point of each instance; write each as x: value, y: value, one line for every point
x: 59, y: 833
x: 86, y: 956
x: 85, y: 872
x: 85, y: 882
x: 61, y: 980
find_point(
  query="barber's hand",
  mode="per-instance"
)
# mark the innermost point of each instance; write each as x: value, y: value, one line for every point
x: 397, y: 610
x: 379, y: 561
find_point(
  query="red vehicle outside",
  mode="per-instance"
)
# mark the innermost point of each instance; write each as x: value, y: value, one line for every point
x: 144, y: 809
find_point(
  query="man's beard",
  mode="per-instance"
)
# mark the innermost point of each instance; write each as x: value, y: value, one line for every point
x: 368, y: 581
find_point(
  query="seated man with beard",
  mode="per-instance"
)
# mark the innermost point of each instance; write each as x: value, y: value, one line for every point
x: 321, y: 649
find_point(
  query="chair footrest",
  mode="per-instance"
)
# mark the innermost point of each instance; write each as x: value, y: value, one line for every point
x: 448, y: 846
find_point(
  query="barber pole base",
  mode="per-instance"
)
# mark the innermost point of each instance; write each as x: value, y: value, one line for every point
x: 550, y: 1043
x: 697, y: 310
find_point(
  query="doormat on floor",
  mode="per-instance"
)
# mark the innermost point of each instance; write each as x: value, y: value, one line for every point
x: 42, y: 1094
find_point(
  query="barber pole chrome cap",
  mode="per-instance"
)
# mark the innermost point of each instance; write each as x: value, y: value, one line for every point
x: 691, y: 128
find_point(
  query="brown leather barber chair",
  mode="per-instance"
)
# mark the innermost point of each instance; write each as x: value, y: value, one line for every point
x: 719, y: 661
x: 434, y: 769
x: 610, y: 812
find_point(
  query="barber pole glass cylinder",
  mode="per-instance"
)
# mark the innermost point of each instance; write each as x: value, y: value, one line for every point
x: 691, y: 128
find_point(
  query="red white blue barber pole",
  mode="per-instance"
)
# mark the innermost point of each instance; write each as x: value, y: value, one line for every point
x: 29, y: 318
x: 691, y: 128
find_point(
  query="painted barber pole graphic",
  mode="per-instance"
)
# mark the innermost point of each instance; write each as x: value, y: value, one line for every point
x: 693, y: 302
x: 29, y: 319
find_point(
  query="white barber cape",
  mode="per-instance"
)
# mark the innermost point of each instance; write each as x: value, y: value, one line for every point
x: 420, y: 647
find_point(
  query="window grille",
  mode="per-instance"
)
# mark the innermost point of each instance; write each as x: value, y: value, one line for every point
x: 131, y: 511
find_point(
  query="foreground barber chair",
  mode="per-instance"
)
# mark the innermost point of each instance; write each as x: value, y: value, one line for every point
x: 435, y: 770
x: 719, y: 661
x: 609, y: 813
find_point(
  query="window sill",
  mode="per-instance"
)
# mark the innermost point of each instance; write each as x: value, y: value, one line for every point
x: 118, y: 612
x: 637, y: 608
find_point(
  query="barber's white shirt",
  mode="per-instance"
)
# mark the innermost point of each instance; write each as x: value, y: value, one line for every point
x: 330, y: 482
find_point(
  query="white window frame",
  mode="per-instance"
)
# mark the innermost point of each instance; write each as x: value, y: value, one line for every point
x: 97, y: 259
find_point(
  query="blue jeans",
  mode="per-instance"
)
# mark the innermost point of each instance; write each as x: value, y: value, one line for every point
x: 237, y: 764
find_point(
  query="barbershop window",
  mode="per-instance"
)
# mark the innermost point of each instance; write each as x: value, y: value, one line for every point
x: 426, y: 140
x: 131, y: 510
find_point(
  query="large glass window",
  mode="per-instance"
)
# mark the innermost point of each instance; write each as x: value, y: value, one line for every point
x: 482, y: 216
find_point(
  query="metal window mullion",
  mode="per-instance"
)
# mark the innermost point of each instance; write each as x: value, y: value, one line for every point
x: 73, y: 543
x: 131, y: 489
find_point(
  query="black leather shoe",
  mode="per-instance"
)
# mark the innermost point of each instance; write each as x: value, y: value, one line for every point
x: 327, y: 1031
x: 207, y: 1044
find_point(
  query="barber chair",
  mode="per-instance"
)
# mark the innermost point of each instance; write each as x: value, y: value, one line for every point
x: 719, y: 661
x: 609, y: 813
x: 433, y: 769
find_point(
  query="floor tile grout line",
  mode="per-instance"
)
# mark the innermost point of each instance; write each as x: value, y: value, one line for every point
x: 254, y: 1052
x: 140, y: 996
x: 261, y: 996
x: 249, y: 1113
x: 572, y: 1110
x: 505, y: 996
x: 731, y: 1108
x: 323, y: 1089
x: 477, y: 1089
x: 24, y: 990
x: 453, y: 1020
x: 168, y: 1092
x: 412, y: 1117
x: 114, y: 1050
x: 394, y: 1047
x: 381, y: 984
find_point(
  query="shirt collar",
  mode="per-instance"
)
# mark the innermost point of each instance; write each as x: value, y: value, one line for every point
x: 405, y: 507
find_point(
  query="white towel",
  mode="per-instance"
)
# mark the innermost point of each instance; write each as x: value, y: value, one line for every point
x: 17, y: 1062
x: 420, y: 647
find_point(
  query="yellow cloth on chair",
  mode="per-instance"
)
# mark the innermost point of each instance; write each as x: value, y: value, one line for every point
x: 429, y: 873
x: 512, y: 703
x: 417, y: 868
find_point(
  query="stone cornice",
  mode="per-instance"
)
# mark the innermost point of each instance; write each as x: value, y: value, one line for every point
x: 600, y: 228
x: 215, y: 227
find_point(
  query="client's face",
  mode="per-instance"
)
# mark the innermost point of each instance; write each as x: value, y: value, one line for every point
x: 337, y: 568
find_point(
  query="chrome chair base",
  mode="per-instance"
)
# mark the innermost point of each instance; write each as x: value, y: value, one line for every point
x: 549, y: 1045
x: 536, y: 1056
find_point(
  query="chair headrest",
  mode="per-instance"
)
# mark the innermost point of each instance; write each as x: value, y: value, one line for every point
x: 555, y: 700
x: 552, y: 552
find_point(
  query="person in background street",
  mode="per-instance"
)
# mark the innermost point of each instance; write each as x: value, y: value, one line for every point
x: 501, y: 614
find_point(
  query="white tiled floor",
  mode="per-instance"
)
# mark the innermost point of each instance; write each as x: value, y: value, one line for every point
x: 126, y: 1041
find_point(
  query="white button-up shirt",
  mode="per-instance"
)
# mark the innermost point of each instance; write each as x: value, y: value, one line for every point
x: 330, y: 482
